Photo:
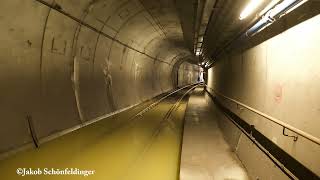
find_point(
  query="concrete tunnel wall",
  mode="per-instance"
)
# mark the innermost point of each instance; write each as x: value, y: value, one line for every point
x: 279, y: 77
x: 187, y: 74
x: 65, y: 62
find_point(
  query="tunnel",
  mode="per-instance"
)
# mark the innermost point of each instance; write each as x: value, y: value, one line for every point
x: 160, y: 89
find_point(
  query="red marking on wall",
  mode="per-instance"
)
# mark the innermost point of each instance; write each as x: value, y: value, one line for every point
x: 278, y: 93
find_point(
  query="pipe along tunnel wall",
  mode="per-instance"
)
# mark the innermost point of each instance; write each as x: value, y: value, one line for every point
x: 279, y: 77
x: 66, y: 62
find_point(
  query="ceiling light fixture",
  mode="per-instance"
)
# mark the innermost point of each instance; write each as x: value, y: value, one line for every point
x: 208, y: 64
x: 269, y: 6
x: 278, y: 10
x: 250, y: 8
x: 285, y: 7
x: 296, y: 6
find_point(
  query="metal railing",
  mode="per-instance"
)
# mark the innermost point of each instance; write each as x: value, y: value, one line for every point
x: 272, y: 119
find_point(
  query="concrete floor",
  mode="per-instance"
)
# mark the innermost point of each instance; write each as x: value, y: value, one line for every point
x: 205, y: 153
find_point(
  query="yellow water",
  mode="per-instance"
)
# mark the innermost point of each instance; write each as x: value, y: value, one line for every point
x: 116, y: 149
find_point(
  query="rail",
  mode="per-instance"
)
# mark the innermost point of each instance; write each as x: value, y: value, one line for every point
x: 37, y: 142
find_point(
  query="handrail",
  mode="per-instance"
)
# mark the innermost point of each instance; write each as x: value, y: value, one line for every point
x: 274, y: 120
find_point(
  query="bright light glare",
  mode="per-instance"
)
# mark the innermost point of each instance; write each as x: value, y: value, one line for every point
x: 248, y: 10
x: 296, y: 6
x: 208, y: 64
x: 269, y: 6
x: 274, y: 11
x: 197, y: 53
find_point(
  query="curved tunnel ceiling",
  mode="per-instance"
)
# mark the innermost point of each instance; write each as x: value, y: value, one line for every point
x: 147, y: 27
x: 150, y: 27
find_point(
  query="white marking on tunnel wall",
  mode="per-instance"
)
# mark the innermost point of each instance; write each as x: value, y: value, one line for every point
x: 82, y: 23
x: 85, y: 52
x: 137, y: 72
x: 76, y: 85
x: 108, y: 81
x: 58, y: 46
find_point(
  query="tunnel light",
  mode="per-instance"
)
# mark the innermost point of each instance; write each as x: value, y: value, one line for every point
x: 296, y: 6
x: 208, y: 64
x: 250, y: 8
x: 278, y: 10
x: 285, y: 7
x: 259, y: 26
x: 269, y: 6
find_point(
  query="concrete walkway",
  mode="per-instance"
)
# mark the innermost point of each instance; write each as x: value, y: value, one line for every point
x: 205, y: 153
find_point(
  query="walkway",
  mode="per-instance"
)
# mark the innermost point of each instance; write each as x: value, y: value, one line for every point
x: 205, y: 153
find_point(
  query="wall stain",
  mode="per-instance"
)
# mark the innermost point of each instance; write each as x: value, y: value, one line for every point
x: 278, y: 92
x: 29, y: 43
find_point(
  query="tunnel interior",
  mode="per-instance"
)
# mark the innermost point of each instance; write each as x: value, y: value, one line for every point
x: 74, y: 66
x: 68, y: 62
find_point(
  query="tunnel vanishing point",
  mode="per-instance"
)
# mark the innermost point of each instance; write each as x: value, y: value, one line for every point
x: 160, y: 89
